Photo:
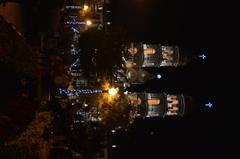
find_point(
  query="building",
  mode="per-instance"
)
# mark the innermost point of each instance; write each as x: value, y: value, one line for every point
x: 82, y: 15
x: 154, y: 55
x: 138, y: 56
x: 157, y: 104
x: 126, y: 77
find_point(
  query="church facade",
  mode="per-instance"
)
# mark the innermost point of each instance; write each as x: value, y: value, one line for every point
x: 157, y: 104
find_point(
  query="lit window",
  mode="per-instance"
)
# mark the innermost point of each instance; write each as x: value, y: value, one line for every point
x: 132, y: 50
x: 167, y: 56
x: 149, y: 51
x: 173, y: 109
x: 153, y: 101
x: 174, y: 102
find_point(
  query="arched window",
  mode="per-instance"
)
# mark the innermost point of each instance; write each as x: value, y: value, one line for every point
x: 171, y: 97
x: 132, y: 50
x: 173, y: 102
x: 175, y: 108
x: 149, y: 51
x: 153, y: 101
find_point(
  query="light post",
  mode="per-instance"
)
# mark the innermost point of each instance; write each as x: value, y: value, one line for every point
x: 112, y: 91
x: 88, y: 22
x: 85, y: 7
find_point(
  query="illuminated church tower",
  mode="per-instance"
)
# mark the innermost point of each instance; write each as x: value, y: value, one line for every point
x: 154, y: 55
x: 157, y: 104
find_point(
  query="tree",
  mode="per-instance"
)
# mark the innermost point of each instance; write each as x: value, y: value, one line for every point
x: 31, y: 143
x: 97, y: 46
x: 16, y: 52
x: 117, y: 114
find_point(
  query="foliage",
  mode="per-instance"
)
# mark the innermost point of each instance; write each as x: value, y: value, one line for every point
x: 66, y: 39
x: 30, y: 143
x: 16, y: 52
x: 114, y: 109
x: 15, y: 115
x: 117, y: 114
x: 97, y: 46
x: 16, y: 152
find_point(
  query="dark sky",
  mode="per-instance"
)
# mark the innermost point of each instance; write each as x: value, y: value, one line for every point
x: 198, y: 24
x: 185, y: 22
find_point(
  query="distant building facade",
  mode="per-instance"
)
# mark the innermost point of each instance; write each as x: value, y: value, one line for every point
x: 138, y: 56
x: 157, y: 104
x: 153, y: 55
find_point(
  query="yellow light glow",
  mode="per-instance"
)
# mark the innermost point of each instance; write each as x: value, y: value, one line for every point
x: 85, y: 7
x: 112, y: 91
x: 153, y: 101
x: 89, y: 22
x: 149, y: 51
x: 113, y: 131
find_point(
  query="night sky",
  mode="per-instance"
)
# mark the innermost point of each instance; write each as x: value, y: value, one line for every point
x: 199, y: 26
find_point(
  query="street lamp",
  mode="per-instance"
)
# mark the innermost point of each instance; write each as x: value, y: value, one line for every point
x: 88, y: 22
x: 112, y: 91
x: 85, y: 7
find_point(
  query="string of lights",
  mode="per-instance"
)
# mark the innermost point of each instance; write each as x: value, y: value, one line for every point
x: 79, y: 91
x: 75, y: 22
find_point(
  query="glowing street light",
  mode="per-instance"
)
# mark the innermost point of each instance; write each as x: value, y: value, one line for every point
x: 114, y: 146
x: 112, y: 91
x: 89, y: 22
x: 85, y: 7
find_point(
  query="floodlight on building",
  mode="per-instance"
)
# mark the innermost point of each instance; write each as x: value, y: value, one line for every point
x: 159, y: 76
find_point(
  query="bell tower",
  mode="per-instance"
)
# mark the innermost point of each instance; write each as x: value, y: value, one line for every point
x: 158, y: 104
